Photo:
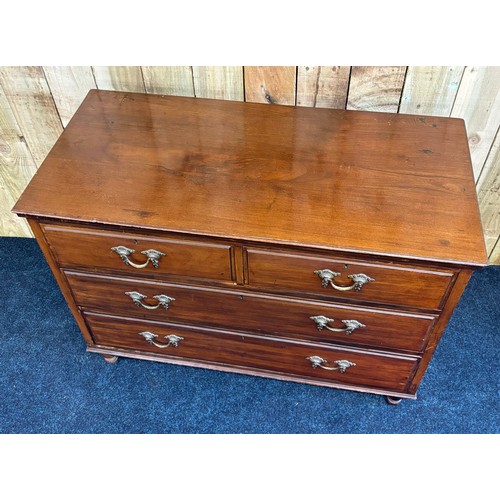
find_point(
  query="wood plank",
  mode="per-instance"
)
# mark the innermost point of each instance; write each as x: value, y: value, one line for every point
x: 219, y: 82
x: 168, y: 80
x: 69, y: 86
x: 489, y: 196
x: 270, y: 84
x: 491, y: 163
x: 125, y: 78
x: 323, y: 86
x: 430, y: 90
x: 30, y: 100
x: 10, y: 223
x: 495, y: 254
x: 376, y: 88
x: 16, y: 169
x: 478, y: 103
x: 16, y: 162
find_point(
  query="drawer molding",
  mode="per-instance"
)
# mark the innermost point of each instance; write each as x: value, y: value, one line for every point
x: 376, y: 283
x: 117, y: 352
x: 78, y: 247
x: 268, y: 314
x: 370, y: 368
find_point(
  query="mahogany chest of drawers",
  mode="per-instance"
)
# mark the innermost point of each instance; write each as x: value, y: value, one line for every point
x: 321, y: 246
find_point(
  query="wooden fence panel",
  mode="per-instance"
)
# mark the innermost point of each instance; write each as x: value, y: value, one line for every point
x: 495, y: 254
x: 430, y: 90
x: 376, y: 88
x: 125, y: 78
x: 270, y: 84
x: 169, y: 80
x: 323, y: 86
x: 30, y: 100
x: 478, y: 103
x: 10, y: 224
x: 16, y: 169
x: 69, y: 86
x: 219, y: 82
x: 489, y: 196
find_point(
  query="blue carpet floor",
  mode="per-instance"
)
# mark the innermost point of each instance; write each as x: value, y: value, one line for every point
x: 49, y: 384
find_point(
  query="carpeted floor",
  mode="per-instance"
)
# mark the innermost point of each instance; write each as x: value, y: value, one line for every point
x: 49, y: 384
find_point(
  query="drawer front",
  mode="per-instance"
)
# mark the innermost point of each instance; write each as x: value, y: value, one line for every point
x: 76, y: 248
x: 392, y: 285
x: 251, y: 312
x: 367, y: 369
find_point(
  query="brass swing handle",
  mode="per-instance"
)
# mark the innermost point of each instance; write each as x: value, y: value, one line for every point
x: 322, y: 322
x: 342, y: 364
x: 327, y: 276
x: 173, y: 340
x: 163, y: 300
x: 153, y: 256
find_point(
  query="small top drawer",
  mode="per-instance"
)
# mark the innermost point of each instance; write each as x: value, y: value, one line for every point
x: 350, y: 279
x: 137, y: 254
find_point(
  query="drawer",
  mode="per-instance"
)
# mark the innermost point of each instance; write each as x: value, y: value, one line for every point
x: 396, y: 285
x: 77, y: 248
x: 361, y: 368
x: 258, y: 313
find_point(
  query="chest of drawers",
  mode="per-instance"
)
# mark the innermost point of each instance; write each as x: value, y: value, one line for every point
x: 319, y: 246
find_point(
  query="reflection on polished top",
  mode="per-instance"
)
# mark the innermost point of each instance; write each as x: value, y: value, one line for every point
x: 380, y: 183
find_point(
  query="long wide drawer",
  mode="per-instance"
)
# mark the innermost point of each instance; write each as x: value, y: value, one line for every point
x: 236, y: 310
x: 361, y: 281
x: 137, y: 254
x: 346, y: 366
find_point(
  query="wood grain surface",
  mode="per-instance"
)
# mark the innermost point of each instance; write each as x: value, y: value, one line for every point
x: 74, y: 247
x: 219, y: 82
x: 495, y: 254
x: 392, y: 284
x: 489, y: 196
x: 127, y: 78
x: 169, y: 80
x: 323, y: 86
x: 478, y: 103
x: 270, y: 84
x: 16, y: 170
x: 215, y: 173
x: 252, y: 312
x: 69, y: 85
x: 431, y: 90
x: 30, y: 100
x: 376, y: 88
x: 371, y: 369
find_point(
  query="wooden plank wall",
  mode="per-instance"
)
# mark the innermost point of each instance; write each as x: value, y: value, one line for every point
x: 37, y: 102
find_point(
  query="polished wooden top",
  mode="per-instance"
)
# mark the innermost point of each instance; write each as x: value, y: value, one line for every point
x: 380, y: 183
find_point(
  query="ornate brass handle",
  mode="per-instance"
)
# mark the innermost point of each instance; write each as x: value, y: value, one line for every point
x: 351, y: 324
x: 173, y: 340
x: 327, y: 276
x: 343, y: 364
x: 163, y: 300
x: 153, y: 256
